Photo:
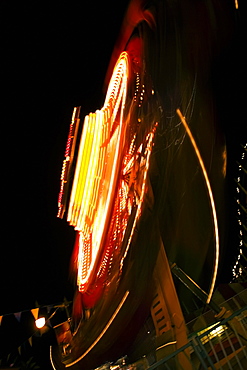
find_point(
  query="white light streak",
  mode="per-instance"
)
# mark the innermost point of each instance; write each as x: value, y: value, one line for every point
x: 210, y: 193
x: 51, y: 359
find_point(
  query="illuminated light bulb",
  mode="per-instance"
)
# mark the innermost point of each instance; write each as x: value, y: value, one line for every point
x: 40, y: 322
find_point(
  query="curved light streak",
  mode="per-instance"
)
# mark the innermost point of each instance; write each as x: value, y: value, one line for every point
x: 51, y: 359
x: 103, y: 331
x: 166, y: 344
x: 216, y: 262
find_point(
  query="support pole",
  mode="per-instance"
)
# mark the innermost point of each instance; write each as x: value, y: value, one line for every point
x: 196, y: 290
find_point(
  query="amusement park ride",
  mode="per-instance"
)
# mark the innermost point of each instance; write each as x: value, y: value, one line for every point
x: 143, y: 185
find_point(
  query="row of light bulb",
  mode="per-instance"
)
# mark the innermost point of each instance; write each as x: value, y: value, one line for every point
x: 237, y: 269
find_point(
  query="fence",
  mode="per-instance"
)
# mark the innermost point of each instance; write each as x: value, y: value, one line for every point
x: 212, y: 344
x: 222, y: 345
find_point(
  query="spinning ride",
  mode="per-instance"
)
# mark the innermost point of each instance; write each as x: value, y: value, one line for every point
x: 109, y: 199
x: 110, y: 179
x: 144, y: 182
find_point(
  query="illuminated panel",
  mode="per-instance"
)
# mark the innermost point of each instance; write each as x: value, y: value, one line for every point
x: 210, y: 193
x: 96, y: 172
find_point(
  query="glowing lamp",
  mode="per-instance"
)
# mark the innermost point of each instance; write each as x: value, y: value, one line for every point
x: 40, y: 322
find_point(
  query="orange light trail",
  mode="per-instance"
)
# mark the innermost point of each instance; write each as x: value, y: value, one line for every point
x: 216, y: 262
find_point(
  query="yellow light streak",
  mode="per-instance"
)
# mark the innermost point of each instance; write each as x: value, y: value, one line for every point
x: 165, y: 345
x: 72, y: 204
x: 88, y: 185
x: 103, y: 331
x: 210, y: 193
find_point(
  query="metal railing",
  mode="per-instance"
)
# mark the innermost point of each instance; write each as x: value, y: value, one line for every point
x: 222, y: 345
x: 212, y: 343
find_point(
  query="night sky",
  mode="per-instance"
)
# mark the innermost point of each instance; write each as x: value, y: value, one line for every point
x: 52, y: 59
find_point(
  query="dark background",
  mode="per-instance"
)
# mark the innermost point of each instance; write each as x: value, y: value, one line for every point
x: 55, y: 57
